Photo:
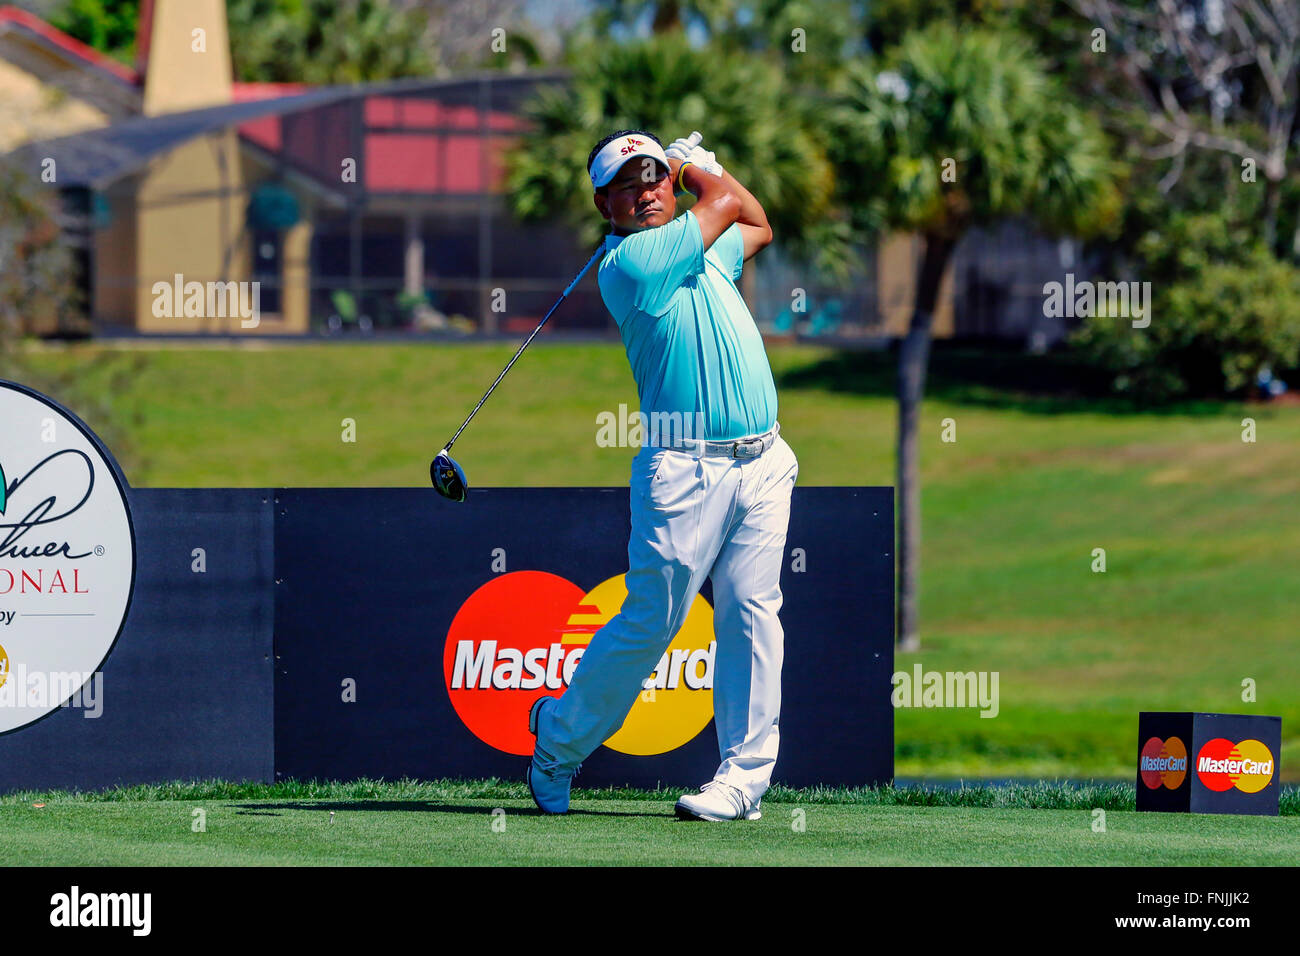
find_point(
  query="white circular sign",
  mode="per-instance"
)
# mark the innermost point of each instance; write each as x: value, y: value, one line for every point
x: 67, y: 556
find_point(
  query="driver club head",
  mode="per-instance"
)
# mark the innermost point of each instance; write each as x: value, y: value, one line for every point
x: 448, y: 477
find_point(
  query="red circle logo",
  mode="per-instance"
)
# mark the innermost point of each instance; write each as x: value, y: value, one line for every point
x: 521, y: 636
x: 508, y: 636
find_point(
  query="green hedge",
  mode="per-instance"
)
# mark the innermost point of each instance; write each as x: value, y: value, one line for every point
x: 1211, y: 332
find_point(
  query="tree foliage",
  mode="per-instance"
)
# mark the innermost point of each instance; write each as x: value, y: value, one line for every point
x: 326, y: 41
x: 107, y: 25
x: 283, y: 41
x: 464, y: 35
x: 981, y: 99
x: 36, y: 267
x: 810, y: 38
x: 1221, y: 78
x: 1211, y: 334
x: 743, y: 106
x: 1223, y: 308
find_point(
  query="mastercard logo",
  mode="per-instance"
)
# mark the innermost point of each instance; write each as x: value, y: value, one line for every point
x: 1247, y: 765
x: 1163, y: 763
x: 4, y: 663
x: 522, y: 635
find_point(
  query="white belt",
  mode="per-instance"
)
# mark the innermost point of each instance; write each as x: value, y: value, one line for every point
x: 748, y: 447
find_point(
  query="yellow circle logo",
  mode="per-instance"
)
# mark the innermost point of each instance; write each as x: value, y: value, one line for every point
x: 1256, y: 766
x: 4, y: 665
x: 676, y: 700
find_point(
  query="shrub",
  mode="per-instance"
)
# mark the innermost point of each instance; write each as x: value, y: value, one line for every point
x: 1210, y: 334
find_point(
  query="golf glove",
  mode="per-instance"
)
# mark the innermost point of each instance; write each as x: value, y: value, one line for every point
x: 681, y: 148
x: 688, y: 150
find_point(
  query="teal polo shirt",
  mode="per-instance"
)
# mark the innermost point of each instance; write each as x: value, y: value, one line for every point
x: 691, y: 342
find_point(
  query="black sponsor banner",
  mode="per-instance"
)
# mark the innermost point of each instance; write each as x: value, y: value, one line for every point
x: 186, y: 691
x: 253, y: 607
x: 1208, y: 763
x: 370, y: 582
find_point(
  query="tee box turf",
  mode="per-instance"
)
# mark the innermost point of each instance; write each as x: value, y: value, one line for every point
x: 1208, y: 763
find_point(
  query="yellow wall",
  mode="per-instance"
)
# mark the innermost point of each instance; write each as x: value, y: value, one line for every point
x: 186, y: 72
x: 190, y: 220
x: 296, y: 297
x: 192, y: 203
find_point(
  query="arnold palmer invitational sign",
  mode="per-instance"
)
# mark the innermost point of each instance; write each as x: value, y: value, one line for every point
x: 67, y: 556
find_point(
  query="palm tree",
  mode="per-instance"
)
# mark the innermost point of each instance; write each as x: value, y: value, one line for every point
x: 979, y: 105
x: 747, y: 113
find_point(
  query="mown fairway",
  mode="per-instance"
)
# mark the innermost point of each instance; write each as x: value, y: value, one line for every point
x: 1201, y: 531
x: 492, y: 823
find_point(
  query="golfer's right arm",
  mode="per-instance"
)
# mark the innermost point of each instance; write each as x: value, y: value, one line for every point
x: 755, y: 231
x: 717, y: 205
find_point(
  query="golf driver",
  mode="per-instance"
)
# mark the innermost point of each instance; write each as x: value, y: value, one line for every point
x: 447, y: 476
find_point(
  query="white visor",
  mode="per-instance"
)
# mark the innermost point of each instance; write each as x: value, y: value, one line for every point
x: 618, y: 151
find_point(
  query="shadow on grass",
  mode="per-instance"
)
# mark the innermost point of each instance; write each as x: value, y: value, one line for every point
x: 419, y: 806
x: 988, y: 375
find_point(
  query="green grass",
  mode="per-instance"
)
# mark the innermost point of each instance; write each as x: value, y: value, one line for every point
x: 494, y: 823
x: 1201, y: 531
x: 1039, y: 795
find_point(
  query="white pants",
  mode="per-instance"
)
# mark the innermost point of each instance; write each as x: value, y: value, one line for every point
x: 693, y: 517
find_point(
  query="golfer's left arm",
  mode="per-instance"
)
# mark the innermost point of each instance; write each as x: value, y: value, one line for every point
x: 752, y: 221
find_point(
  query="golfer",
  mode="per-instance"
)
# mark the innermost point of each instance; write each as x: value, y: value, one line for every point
x: 714, y: 505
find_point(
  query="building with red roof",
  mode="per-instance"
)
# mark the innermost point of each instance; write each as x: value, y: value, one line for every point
x: 372, y: 206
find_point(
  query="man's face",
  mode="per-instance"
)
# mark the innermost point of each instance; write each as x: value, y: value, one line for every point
x: 640, y: 196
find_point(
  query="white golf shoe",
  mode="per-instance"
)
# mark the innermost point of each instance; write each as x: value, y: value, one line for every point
x: 717, y: 801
